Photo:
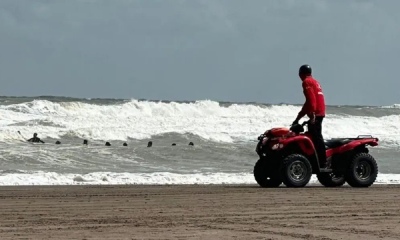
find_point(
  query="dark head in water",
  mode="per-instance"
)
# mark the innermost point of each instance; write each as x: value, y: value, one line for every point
x: 108, y: 144
x: 191, y: 144
x: 149, y: 144
x: 174, y: 144
x: 58, y: 142
x: 85, y: 142
x: 125, y: 144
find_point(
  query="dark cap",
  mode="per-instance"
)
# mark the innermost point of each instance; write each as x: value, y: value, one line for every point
x: 305, y: 69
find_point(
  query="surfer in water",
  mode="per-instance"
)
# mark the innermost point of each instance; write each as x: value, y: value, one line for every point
x: 35, y: 139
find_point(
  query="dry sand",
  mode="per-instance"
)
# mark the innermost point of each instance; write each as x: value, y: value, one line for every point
x: 199, y: 212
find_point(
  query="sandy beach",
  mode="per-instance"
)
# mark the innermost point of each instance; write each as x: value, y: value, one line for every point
x: 199, y: 212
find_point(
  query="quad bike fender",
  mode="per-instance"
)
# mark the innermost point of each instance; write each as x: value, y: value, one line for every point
x: 352, y: 145
x: 303, y: 142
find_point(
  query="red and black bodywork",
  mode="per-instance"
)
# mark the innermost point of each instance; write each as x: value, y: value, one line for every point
x: 276, y: 143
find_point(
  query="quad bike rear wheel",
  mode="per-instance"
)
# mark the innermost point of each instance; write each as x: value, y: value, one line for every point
x: 362, y: 170
x: 296, y: 171
x: 265, y: 177
x: 331, y: 179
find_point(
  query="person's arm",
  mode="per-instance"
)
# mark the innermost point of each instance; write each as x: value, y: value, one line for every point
x: 309, y: 107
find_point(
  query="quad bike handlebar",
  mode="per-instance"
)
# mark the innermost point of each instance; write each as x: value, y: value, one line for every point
x: 305, y: 122
x: 297, y: 128
x: 302, y: 124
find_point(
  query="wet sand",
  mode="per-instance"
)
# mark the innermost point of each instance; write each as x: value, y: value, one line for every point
x: 199, y: 212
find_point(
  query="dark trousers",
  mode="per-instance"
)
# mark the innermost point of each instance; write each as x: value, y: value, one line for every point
x: 316, y: 132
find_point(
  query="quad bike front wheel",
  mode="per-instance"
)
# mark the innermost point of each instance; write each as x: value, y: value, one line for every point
x: 362, y: 170
x: 296, y: 170
x: 265, y: 176
x: 331, y: 179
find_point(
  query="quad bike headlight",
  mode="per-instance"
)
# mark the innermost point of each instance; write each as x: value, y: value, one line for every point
x: 277, y: 146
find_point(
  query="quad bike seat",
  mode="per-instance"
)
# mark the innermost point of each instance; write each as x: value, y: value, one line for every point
x: 336, y: 142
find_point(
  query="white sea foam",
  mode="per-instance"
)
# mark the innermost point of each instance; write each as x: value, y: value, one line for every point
x: 207, y: 119
x: 392, y: 106
x: 158, y: 178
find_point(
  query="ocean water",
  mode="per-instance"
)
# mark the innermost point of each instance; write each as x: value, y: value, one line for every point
x: 224, y: 137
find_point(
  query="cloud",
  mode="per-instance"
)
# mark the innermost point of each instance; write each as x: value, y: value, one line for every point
x: 224, y: 50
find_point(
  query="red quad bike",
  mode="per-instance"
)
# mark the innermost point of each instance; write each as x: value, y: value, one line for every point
x: 288, y: 156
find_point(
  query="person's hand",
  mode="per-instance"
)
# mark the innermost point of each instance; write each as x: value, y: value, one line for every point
x: 312, y: 118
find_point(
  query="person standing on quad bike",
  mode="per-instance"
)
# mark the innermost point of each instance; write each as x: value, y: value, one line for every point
x: 314, y: 108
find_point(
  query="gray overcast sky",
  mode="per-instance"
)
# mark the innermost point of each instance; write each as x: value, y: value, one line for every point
x: 227, y: 50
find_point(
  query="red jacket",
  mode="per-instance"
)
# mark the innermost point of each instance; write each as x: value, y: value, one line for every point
x: 315, y: 101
